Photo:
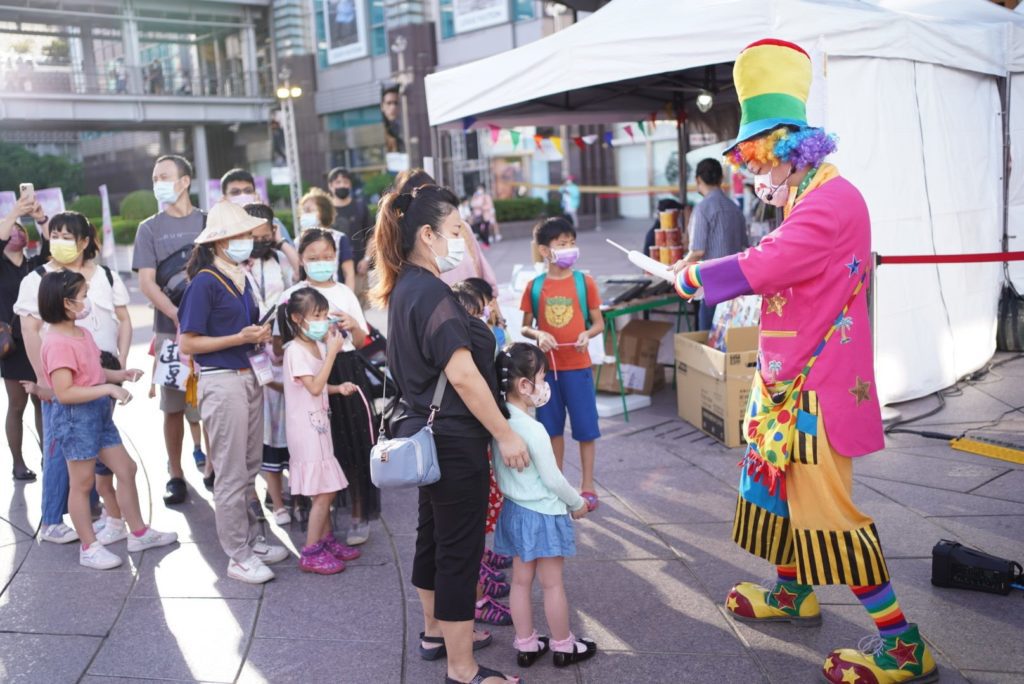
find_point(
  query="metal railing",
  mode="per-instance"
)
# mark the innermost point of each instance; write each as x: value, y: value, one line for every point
x: 27, y: 77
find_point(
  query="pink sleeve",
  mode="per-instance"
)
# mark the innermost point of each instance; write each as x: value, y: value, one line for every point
x: 299, y: 363
x: 55, y: 353
x: 797, y: 251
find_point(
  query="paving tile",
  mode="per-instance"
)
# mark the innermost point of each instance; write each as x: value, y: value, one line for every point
x: 927, y: 471
x: 376, y: 551
x: 981, y: 677
x: 63, y: 603
x: 698, y: 669
x: 282, y: 661
x: 646, y: 605
x: 11, y: 534
x: 904, y: 533
x: 718, y: 563
x: 189, y: 570
x: 11, y: 557
x: 194, y: 520
x: 1009, y: 485
x: 677, y: 494
x: 359, y: 602
x: 183, y: 639
x: 614, y: 532
x: 29, y: 658
x: 48, y: 558
x: 1001, y: 535
x: 947, y: 615
x: 932, y: 502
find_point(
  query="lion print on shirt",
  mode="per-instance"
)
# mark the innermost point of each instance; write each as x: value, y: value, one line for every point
x: 558, y: 311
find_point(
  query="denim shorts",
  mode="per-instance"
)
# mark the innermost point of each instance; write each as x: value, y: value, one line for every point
x: 572, y: 393
x: 80, y: 431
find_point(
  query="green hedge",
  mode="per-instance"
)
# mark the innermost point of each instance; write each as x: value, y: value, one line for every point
x: 285, y: 217
x: 90, y: 205
x: 138, y: 205
x: 124, y: 230
x: 281, y: 193
x: 519, y: 209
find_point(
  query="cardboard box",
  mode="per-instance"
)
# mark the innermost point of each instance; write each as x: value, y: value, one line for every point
x: 638, y: 358
x: 713, y: 387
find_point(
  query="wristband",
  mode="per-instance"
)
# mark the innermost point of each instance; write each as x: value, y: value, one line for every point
x: 688, y: 281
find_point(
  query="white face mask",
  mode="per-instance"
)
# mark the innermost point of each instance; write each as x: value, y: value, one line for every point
x: 309, y: 220
x: 767, y: 192
x: 165, y: 193
x: 456, y: 251
x: 242, y: 200
x: 541, y: 394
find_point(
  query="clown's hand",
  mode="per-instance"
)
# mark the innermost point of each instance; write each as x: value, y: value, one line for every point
x: 688, y: 283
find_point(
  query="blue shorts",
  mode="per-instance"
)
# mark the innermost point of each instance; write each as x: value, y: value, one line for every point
x: 573, y: 391
x: 80, y: 431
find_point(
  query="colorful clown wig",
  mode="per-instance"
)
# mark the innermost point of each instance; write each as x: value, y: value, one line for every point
x: 803, y: 148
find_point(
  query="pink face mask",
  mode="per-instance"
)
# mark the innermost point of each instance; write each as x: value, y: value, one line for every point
x: 17, y: 241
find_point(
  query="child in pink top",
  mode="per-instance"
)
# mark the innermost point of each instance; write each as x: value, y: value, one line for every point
x: 314, y: 470
x: 81, y: 419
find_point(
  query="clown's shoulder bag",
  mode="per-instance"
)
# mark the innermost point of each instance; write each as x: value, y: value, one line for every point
x: 770, y: 423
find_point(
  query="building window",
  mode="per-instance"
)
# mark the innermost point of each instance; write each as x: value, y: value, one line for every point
x: 378, y: 31
x: 447, y: 19
x: 522, y: 10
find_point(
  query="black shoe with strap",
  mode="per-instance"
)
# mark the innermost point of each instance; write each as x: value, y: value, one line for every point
x: 564, y: 659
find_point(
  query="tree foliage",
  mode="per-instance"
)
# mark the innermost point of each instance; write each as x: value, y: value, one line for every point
x: 18, y: 165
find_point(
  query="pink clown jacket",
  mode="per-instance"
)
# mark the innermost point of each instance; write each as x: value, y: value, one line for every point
x: 806, y: 270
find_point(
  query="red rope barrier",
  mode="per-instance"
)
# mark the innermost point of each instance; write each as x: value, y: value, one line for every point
x: 953, y: 258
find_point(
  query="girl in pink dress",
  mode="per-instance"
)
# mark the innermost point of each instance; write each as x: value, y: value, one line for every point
x: 308, y: 358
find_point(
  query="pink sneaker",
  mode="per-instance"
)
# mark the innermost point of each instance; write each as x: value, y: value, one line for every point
x: 318, y: 560
x: 339, y: 550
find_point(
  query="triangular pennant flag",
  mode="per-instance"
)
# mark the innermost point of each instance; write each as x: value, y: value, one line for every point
x: 538, y: 139
x: 608, y: 138
x: 515, y: 138
x: 680, y: 118
x: 495, y: 132
x: 468, y: 122
x: 590, y: 139
x: 640, y: 125
x: 629, y: 132
x: 557, y: 142
x: 579, y: 142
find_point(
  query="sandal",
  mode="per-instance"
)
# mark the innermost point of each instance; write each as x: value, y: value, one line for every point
x: 592, y: 501
x: 442, y: 652
x: 482, y: 673
x: 528, y: 658
x: 492, y: 612
x: 24, y: 475
x: 563, y: 659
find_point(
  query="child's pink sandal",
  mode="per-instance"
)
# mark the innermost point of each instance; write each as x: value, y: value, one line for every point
x: 592, y: 501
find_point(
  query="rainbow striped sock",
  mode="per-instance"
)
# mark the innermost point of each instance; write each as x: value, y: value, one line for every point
x: 786, y: 573
x: 880, y: 602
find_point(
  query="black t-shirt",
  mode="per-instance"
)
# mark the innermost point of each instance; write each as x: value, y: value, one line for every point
x: 10, y: 281
x: 426, y: 325
x: 354, y: 220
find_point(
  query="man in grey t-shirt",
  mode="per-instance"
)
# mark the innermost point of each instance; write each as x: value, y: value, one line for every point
x: 717, y: 227
x: 159, y: 237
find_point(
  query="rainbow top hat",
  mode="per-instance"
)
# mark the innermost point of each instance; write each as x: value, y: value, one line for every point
x: 773, y: 79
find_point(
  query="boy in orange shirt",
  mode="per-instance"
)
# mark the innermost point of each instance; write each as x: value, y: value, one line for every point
x: 561, y: 312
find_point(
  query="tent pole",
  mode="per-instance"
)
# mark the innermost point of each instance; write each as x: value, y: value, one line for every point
x: 1004, y: 91
x: 682, y: 143
x: 435, y: 142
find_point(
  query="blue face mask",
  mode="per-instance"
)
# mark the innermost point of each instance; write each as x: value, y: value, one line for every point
x: 316, y: 330
x: 320, y: 271
x: 239, y: 250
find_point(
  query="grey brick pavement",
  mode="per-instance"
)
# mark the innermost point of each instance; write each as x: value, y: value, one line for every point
x: 653, y: 567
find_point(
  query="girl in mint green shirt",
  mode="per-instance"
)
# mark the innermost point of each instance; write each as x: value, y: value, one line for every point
x: 534, y: 526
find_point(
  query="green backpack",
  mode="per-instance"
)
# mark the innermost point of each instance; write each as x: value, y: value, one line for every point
x: 581, y: 295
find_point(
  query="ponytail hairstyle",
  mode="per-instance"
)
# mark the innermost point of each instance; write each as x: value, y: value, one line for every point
x: 80, y: 227
x: 311, y: 237
x: 399, y: 219
x: 305, y: 302
x: 469, y: 298
x: 201, y: 257
x: 517, y: 360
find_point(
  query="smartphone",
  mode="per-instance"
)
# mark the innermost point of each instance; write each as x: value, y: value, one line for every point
x: 27, y: 190
x: 269, y: 315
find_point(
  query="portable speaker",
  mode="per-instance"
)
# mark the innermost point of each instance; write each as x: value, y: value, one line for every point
x: 959, y: 567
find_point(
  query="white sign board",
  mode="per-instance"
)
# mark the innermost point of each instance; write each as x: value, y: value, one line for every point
x: 170, y: 371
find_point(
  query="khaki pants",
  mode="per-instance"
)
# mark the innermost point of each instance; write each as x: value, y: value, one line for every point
x: 231, y: 405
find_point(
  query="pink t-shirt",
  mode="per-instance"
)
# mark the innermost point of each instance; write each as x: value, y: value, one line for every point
x: 78, y: 354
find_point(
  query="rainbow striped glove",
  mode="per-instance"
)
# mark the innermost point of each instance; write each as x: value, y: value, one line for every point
x: 688, y: 281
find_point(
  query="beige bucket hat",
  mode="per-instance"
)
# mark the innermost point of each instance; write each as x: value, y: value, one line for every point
x: 227, y: 220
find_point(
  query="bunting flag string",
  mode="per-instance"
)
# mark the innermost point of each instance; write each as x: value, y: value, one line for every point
x: 557, y: 142
x: 608, y: 135
x: 515, y: 135
x: 495, y: 132
x: 579, y: 142
x: 629, y: 131
x: 539, y: 139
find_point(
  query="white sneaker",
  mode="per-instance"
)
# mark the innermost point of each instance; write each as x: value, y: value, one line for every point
x: 253, y: 571
x: 59, y: 533
x: 281, y: 516
x: 269, y: 553
x: 98, y: 558
x: 101, y: 522
x: 150, y: 540
x: 358, y: 534
x: 112, y: 532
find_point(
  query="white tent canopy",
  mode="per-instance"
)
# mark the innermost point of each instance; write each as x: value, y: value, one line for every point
x: 911, y: 88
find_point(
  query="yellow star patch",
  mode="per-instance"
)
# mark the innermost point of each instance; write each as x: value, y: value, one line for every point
x: 861, y: 391
x: 731, y: 603
x: 775, y: 303
x: 850, y: 676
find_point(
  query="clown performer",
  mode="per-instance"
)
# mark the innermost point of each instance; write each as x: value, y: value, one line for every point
x: 813, y: 406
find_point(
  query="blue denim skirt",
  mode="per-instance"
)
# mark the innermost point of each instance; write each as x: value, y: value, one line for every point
x: 531, y: 535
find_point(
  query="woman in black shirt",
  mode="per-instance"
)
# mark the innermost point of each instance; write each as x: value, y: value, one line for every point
x: 417, y: 237
x: 15, y: 367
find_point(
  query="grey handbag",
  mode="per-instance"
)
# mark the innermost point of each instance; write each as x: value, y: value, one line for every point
x: 408, y: 461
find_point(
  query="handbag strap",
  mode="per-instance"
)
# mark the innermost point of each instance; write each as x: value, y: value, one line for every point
x: 435, y: 403
x: 840, y: 320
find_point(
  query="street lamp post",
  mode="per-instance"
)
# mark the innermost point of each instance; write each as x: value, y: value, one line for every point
x: 404, y: 77
x: 287, y: 94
